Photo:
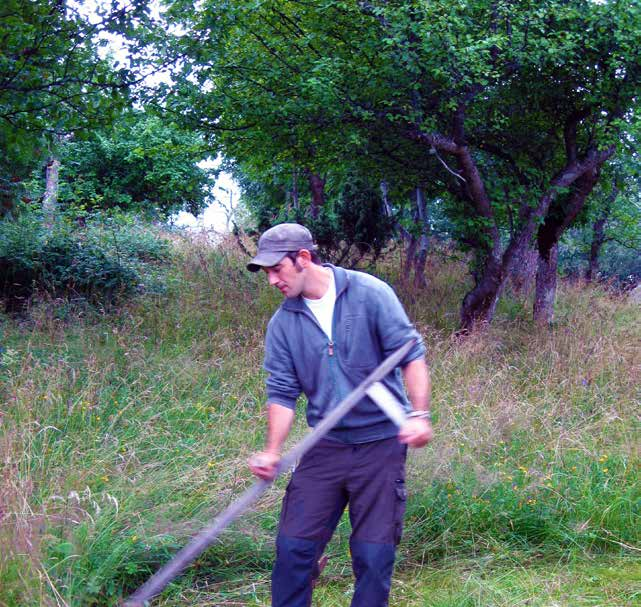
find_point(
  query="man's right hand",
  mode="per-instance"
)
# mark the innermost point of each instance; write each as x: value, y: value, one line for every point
x: 264, y: 464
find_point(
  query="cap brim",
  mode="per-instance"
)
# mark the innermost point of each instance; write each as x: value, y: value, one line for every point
x: 265, y: 260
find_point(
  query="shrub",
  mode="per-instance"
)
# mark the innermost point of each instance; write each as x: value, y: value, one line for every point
x: 105, y: 257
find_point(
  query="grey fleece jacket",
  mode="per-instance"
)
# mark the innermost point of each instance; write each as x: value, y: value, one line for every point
x: 369, y: 323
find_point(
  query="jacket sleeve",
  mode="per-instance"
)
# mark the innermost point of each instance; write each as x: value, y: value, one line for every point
x: 283, y: 386
x: 394, y: 327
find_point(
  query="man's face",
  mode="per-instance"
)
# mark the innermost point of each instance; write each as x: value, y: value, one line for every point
x: 288, y: 277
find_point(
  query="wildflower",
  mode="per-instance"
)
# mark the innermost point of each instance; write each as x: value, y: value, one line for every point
x: 605, y: 470
x: 603, y: 458
x: 104, y: 478
x: 134, y: 538
x: 573, y: 468
x: 210, y: 465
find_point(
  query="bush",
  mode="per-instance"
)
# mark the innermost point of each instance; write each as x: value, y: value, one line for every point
x: 105, y: 257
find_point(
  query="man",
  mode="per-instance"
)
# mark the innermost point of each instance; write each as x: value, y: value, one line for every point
x: 333, y: 328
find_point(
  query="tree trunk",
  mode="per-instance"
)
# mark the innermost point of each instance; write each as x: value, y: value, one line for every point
x: 559, y: 219
x: 50, y: 198
x: 317, y: 187
x: 410, y: 254
x: 479, y: 304
x: 523, y: 271
x: 389, y: 212
x: 545, y: 293
x: 387, y: 207
x: 295, y: 200
x: 423, y: 243
x: 598, y: 238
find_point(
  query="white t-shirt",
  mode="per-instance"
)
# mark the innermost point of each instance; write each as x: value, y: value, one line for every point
x: 323, y: 308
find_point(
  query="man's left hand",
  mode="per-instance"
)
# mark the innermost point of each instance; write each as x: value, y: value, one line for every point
x: 416, y: 432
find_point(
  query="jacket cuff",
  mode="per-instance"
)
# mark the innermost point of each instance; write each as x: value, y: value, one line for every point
x: 280, y: 399
x: 418, y: 351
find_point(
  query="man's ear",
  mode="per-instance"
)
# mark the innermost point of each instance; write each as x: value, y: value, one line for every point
x: 304, y: 258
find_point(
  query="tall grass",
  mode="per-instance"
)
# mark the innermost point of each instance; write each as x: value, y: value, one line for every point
x: 122, y: 433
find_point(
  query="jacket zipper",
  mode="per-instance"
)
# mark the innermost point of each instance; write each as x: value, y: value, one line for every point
x: 330, y: 343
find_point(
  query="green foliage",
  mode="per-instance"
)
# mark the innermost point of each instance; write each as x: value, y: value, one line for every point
x: 52, y: 80
x: 618, y: 262
x: 498, y: 109
x: 100, y: 261
x: 363, y: 220
x: 609, y: 228
x: 142, y: 164
x: 350, y: 226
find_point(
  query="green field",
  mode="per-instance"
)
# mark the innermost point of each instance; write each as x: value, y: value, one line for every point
x: 123, y: 431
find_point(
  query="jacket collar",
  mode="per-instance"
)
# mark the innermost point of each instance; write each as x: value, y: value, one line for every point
x: 341, y: 280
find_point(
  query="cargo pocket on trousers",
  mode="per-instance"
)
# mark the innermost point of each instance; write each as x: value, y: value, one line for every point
x: 399, y: 514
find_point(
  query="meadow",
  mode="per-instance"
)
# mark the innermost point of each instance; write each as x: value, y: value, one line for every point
x: 122, y: 431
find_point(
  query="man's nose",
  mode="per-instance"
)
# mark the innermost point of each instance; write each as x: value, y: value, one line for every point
x: 273, y: 278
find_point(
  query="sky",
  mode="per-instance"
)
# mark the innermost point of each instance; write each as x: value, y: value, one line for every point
x: 214, y: 216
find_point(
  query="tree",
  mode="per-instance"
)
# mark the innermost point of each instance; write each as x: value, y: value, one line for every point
x: 508, y: 110
x: 52, y: 80
x: 141, y: 163
x: 352, y: 225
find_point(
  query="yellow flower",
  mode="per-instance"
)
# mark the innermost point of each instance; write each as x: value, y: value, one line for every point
x: 605, y: 469
x: 210, y: 465
x: 104, y: 478
x: 134, y: 538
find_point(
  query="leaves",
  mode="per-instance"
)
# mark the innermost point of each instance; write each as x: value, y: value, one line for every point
x: 143, y: 163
